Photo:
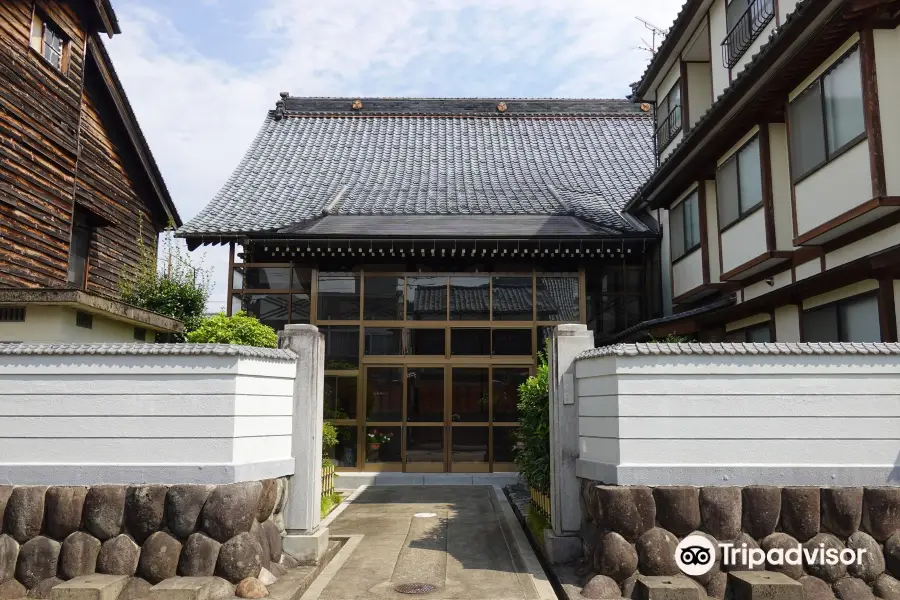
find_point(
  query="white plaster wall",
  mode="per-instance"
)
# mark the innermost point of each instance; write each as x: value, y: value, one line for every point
x: 699, y: 88
x: 740, y: 419
x: 747, y: 56
x: 688, y: 272
x: 886, y: 238
x: 887, y: 68
x: 787, y: 323
x: 748, y: 322
x: 670, y: 147
x: 662, y: 216
x: 45, y: 323
x: 743, y: 241
x: 785, y: 7
x: 808, y: 269
x: 761, y: 288
x: 717, y: 33
x: 87, y: 419
x: 781, y: 187
x: 848, y: 291
x: 839, y: 186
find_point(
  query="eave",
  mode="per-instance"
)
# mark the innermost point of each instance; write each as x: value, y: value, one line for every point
x: 104, y: 13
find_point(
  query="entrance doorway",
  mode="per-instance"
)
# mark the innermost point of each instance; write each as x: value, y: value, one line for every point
x: 453, y: 417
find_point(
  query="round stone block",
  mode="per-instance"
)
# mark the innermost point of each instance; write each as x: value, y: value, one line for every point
x: 145, y: 507
x: 615, y: 557
x: 851, y: 588
x: 78, y: 555
x: 741, y: 562
x: 25, y: 512
x: 887, y: 587
x: 239, y: 558
x: 841, y: 510
x: 184, y: 503
x: 800, y: 511
x: 872, y: 562
x: 259, y: 533
x: 104, y: 511
x: 64, y: 505
x: 135, y: 589
x: 704, y: 579
x: 881, y: 512
x: 159, y: 557
x: 678, y: 508
x: 716, y: 586
x: 627, y: 510
x: 251, y: 587
x: 779, y: 544
x: 9, y: 554
x: 274, y: 537
x: 761, y: 508
x: 12, y: 590
x: 199, y: 556
x: 119, y: 556
x: 892, y: 554
x: 44, y: 589
x: 656, y: 552
x: 824, y: 542
x: 38, y: 559
x: 815, y: 589
x: 601, y: 587
x: 230, y: 510
x: 267, y: 497
x: 720, y: 509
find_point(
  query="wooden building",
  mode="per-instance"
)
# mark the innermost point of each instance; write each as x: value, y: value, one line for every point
x: 78, y: 184
x: 777, y: 187
x: 434, y: 243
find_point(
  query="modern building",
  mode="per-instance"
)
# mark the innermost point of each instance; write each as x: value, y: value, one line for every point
x: 78, y: 184
x: 434, y: 242
x: 777, y: 189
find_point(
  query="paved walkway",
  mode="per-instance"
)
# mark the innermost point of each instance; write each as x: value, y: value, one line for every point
x: 462, y: 540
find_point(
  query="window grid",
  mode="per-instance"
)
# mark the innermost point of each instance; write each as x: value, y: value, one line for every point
x: 740, y: 209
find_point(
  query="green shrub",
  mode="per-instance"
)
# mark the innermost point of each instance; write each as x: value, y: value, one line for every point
x: 171, y: 286
x: 329, y: 436
x: 240, y: 328
x: 533, y: 450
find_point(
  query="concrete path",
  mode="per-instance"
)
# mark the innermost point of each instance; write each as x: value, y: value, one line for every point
x: 464, y: 541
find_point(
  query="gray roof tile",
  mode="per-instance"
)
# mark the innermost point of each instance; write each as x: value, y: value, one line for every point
x: 318, y: 157
x: 725, y: 349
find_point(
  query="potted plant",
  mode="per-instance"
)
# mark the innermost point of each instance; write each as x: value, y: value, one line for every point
x: 374, y: 440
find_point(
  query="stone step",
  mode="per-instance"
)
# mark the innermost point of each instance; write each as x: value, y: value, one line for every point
x: 676, y: 587
x: 90, y: 587
x: 763, y: 585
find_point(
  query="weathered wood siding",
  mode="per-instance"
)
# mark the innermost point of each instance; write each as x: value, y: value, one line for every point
x: 44, y: 114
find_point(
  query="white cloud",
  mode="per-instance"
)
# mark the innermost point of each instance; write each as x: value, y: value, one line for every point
x: 199, y: 112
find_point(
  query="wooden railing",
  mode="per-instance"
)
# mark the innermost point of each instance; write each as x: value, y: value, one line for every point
x: 328, y: 480
x: 541, y: 503
x: 746, y: 30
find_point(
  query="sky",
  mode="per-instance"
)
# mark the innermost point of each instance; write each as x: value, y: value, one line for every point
x: 201, y: 74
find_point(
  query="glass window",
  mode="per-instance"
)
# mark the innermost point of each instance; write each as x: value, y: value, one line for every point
x: 383, y: 445
x: 757, y: 334
x: 301, y: 279
x: 676, y: 231
x: 263, y: 278
x: 470, y: 395
x: 383, y: 299
x: 470, y: 342
x: 685, y: 226
x: 425, y: 342
x: 344, y: 454
x: 505, y: 444
x: 506, y: 392
x: 512, y: 299
x: 739, y: 184
x: 300, y: 308
x: 426, y: 298
x: 79, y: 250
x: 827, y: 116
x: 844, y: 119
x: 511, y: 342
x: 424, y: 444
x: 851, y: 320
x: 338, y: 297
x: 557, y: 299
x: 270, y: 309
x: 384, y: 394
x: 470, y: 444
x: 425, y: 394
x: 382, y: 341
x: 341, y: 347
x: 668, y: 116
x: 470, y: 299
x: 340, y: 397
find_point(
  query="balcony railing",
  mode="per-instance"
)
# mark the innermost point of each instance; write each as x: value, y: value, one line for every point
x: 668, y: 129
x: 746, y: 30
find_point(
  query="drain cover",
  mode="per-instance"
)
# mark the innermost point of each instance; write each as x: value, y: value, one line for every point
x: 414, y: 588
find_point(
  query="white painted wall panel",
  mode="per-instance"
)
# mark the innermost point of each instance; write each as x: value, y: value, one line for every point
x: 743, y: 241
x: 823, y: 419
x: 781, y: 187
x: 717, y: 33
x: 699, y: 89
x: 787, y: 323
x: 884, y: 239
x: 785, y: 7
x: 840, y: 186
x: 687, y: 273
x: 887, y: 69
x: 132, y: 418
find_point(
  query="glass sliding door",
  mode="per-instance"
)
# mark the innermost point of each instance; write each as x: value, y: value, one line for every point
x: 425, y: 420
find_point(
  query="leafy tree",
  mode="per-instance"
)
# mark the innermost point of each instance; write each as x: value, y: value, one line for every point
x: 170, y: 286
x: 329, y: 441
x: 533, y: 449
x: 239, y: 328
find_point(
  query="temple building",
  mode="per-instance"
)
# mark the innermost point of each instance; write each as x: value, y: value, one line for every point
x: 435, y: 242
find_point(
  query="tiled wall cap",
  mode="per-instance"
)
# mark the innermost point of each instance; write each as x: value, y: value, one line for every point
x: 650, y: 349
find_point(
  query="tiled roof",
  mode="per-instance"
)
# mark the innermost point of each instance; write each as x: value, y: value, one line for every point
x: 316, y: 158
x: 721, y: 349
x: 141, y: 349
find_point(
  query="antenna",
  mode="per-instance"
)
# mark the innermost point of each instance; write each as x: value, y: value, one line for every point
x: 656, y: 32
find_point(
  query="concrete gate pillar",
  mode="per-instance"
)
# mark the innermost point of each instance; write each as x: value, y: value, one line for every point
x: 304, y: 539
x: 563, y: 543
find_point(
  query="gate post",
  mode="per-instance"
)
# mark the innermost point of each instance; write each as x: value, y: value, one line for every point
x: 304, y: 539
x: 563, y: 543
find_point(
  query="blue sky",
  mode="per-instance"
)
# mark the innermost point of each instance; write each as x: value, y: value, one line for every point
x: 201, y: 74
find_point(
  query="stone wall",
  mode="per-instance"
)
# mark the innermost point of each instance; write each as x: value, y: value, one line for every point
x: 147, y: 532
x: 633, y: 530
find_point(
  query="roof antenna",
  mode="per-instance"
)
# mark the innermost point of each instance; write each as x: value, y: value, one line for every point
x: 655, y: 31
x: 279, y: 106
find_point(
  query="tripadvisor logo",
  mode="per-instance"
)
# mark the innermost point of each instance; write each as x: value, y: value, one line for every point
x: 696, y: 555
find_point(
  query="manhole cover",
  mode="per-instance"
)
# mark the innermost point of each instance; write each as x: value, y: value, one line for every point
x: 414, y: 588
